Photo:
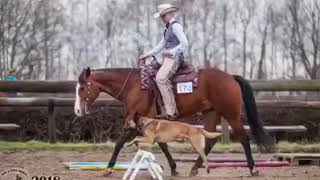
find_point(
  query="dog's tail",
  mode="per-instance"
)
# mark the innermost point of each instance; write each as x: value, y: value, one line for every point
x: 210, y: 135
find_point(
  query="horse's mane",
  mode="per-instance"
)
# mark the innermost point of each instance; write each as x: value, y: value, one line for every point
x: 115, y: 69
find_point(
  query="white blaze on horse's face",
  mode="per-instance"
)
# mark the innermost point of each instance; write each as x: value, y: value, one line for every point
x: 77, y: 104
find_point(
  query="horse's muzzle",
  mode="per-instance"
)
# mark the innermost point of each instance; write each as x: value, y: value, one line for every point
x: 82, y: 110
x: 86, y: 109
x: 78, y: 112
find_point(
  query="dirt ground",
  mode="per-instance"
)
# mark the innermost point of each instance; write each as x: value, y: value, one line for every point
x: 50, y: 163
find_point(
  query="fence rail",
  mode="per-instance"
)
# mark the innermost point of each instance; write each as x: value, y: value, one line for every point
x: 38, y: 86
x: 286, y: 85
x: 69, y: 86
x: 52, y: 102
x: 45, y: 101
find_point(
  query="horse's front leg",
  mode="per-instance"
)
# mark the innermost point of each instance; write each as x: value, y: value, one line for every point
x: 172, y: 163
x: 129, y: 121
x: 125, y: 136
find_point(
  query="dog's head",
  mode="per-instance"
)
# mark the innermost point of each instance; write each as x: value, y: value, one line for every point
x: 141, y: 120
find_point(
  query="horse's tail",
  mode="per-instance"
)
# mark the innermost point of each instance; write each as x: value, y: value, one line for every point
x: 264, y: 141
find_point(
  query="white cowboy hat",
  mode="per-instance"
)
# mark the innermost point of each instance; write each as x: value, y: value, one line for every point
x: 165, y: 8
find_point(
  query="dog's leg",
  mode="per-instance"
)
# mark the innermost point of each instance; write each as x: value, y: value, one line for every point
x: 210, y: 119
x: 134, y: 141
x: 198, y: 144
x: 141, y: 139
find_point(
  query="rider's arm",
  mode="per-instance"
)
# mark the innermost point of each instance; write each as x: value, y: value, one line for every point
x: 157, y: 48
x: 177, y: 29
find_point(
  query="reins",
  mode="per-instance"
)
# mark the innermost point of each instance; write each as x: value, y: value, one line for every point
x: 124, y: 84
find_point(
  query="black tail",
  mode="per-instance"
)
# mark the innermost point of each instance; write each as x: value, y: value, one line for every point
x: 264, y: 141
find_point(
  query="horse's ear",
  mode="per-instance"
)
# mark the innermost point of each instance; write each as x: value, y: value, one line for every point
x: 84, y: 75
x: 88, y: 72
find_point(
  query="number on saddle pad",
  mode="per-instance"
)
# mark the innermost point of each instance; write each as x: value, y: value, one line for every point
x: 184, y: 87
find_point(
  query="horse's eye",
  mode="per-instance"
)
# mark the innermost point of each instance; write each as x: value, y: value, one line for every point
x: 81, y: 88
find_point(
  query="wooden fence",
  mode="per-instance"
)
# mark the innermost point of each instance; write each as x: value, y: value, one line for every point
x: 69, y: 87
x: 51, y: 103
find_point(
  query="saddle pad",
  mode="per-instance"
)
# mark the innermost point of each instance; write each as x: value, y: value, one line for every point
x: 148, y: 74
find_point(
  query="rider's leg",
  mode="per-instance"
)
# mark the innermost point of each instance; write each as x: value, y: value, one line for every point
x: 167, y: 70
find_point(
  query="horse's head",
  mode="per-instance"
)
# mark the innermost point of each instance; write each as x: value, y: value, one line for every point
x: 87, y: 92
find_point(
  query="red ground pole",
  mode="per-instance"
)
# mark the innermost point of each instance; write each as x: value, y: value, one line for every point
x: 244, y: 164
x: 183, y: 159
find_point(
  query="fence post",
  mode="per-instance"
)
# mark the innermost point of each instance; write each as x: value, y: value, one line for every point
x: 225, y: 131
x: 51, y: 121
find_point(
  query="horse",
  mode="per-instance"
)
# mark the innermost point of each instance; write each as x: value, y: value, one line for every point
x: 218, y: 95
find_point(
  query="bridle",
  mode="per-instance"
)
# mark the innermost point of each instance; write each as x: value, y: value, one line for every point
x: 117, y: 96
x: 86, y: 109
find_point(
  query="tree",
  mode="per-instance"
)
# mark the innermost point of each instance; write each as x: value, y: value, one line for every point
x: 266, y: 21
x: 205, y: 37
x: 307, y: 21
x: 13, y: 24
x: 225, y: 41
x: 246, y: 14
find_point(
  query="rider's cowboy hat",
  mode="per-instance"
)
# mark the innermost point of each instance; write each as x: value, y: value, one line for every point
x: 165, y: 8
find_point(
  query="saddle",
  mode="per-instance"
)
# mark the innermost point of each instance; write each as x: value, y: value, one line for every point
x: 185, y: 73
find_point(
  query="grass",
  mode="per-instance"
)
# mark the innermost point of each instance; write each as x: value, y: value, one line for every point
x: 286, y: 147
x: 39, y: 145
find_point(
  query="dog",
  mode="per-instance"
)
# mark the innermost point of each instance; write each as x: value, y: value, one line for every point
x: 158, y: 130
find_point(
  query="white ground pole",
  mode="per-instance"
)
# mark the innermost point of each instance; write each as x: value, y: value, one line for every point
x: 143, y: 158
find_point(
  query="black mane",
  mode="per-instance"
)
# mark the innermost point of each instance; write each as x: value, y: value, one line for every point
x: 115, y: 69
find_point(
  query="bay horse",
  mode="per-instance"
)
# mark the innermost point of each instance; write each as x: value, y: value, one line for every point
x: 218, y: 94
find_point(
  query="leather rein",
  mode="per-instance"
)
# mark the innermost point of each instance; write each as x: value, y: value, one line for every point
x: 124, y: 84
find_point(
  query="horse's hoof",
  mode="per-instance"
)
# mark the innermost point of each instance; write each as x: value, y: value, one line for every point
x: 108, y: 172
x: 174, y: 173
x: 193, y: 172
x: 254, y: 172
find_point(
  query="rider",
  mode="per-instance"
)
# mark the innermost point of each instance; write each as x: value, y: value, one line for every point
x: 11, y: 76
x: 173, y: 47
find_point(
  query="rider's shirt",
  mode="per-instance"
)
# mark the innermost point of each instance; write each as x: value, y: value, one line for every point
x: 11, y: 78
x: 174, y: 40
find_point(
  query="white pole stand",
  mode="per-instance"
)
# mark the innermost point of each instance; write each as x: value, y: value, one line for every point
x: 143, y: 158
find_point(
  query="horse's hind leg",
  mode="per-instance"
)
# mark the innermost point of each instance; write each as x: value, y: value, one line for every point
x: 172, y: 163
x: 241, y: 135
x: 125, y: 136
x: 210, y: 119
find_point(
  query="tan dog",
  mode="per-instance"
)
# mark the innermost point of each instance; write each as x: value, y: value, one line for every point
x: 155, y: 130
